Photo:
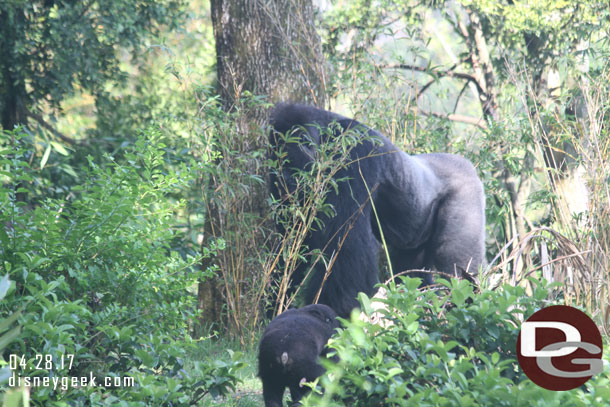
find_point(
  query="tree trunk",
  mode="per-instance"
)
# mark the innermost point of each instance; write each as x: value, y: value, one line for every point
x: 12, y: 93
x: 269, y: 48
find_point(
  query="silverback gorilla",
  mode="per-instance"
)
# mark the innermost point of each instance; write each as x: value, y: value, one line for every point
x: 431, y: 207
x: 289, y: 350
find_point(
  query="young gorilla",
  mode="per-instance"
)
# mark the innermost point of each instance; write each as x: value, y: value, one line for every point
x: 289, y: 351
x: 431, y: 207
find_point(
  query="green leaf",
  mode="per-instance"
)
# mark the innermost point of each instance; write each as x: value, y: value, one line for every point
x: 16, y: 398
x: 9, y: 337
x: 45, y: 157
x: 366, y: 303
x: 5, y: 323
x: 59, y: 148
x: 5, y: 374
x: 5, y: 284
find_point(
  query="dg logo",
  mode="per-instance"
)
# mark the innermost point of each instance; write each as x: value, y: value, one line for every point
x: 559, y: 348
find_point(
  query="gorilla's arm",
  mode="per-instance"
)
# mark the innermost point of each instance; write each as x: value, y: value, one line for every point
x: 457, y: 243
x: 407, y: 201
x: 434, y: 217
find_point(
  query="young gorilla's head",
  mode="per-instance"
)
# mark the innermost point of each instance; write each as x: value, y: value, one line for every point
x: 290, y: 348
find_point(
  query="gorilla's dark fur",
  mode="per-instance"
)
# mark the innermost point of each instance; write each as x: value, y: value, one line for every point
x: 431, y: 207
x: 289, y: 351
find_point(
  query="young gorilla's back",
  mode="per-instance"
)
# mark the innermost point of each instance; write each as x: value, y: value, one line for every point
x: 289, y: 351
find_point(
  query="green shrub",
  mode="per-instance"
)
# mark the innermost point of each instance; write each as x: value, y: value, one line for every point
x: 98, y: 279
x: 8, y: 333
x: 452, y: 348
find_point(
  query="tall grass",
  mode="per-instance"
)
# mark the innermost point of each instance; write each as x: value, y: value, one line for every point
x: 571, y: 241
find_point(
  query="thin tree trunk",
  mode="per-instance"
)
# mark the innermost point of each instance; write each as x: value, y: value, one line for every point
x: 12, y: 93
x: 482, y: 65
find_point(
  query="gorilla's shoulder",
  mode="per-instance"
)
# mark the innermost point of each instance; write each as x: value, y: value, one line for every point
x: 286, y: 115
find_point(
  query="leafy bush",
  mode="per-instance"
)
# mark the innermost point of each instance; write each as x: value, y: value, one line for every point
x: 442, y: 349
x: 98, y: 279
x: 8, y: 334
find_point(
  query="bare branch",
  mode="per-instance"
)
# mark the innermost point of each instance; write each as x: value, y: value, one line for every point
x: 459, y: 96
x: 479, y: 122
x: 438, y: 73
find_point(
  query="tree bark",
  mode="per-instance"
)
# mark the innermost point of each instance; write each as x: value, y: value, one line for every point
x: 268, y: 47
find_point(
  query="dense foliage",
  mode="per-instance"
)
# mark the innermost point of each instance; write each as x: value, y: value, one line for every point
x: 96, y: 280
x: 442, y: 348
x: 52, y: 48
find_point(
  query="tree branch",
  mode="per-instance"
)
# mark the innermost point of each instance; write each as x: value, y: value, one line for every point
x: 438, y: 73
x: 479, y: 122
x: 459, y: 96
x: 52, y: 129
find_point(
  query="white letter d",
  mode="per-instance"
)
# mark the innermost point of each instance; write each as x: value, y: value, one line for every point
x: 528, y: 338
